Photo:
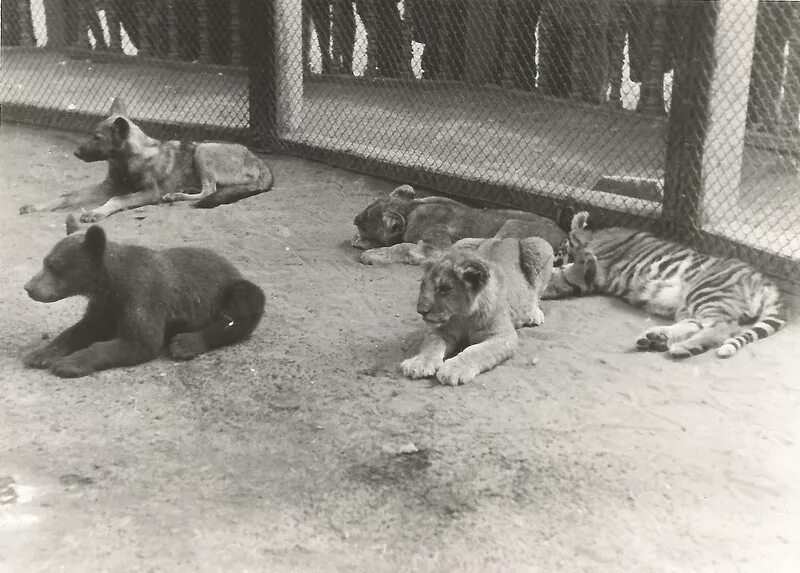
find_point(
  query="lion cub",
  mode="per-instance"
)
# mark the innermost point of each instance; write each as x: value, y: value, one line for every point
x: 473, y: 298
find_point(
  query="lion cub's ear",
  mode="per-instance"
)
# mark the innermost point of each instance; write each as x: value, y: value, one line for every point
x: 403, y: 192
x: 395, y: 222
x: 474, y: 273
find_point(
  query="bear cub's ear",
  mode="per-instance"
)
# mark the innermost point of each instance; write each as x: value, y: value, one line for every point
x: 95, y: 241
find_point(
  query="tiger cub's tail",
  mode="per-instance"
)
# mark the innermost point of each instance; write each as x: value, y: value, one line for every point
x: 766, y: 326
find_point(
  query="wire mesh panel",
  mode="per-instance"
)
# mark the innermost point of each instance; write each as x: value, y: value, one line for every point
x: 175, y: 62
x: 673, y: 114
x: 732, y: 185
x: 524, y: 98
x: 756, y: 200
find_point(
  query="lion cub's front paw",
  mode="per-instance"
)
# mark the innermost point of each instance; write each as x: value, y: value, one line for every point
x: 420, y: 366
x: 534, y: 317
x: 373, y: 257
x: 92, y: 217
x: 454, y: 372
x: 25, y: 209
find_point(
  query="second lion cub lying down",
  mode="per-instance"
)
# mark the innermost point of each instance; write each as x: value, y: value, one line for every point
x: 403, y: 228
x: 474, y: 297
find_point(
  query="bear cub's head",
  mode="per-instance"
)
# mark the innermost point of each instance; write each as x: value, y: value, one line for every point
x: 71, y: 267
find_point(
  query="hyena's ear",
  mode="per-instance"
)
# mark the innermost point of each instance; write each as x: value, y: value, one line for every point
x: 120, y: 130
x: 95, y: 241
x: 403, y: 192
x: 579, y: 221
x: 72, y: 224
x: 395, y: 222
x: 118, y: 107
x: 473, y: 272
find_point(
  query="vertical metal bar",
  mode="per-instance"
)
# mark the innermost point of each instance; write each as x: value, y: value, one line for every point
x: 260, y: 48
x: 172, y: 28
x: 236, y: 34
x: 203, y: 55
x: 25, y: 23
x: 651, y: 94
x: 145, y: 27
x: 481, y: 44
x: 689, y: 118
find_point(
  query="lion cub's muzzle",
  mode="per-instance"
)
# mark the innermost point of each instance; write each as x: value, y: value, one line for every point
x: 424, y: 309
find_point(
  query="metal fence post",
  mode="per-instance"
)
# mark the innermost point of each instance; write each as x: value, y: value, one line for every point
x: 687, y: 129
x: 259, y: 50
x: 725, y: 138
x: 288, y: 64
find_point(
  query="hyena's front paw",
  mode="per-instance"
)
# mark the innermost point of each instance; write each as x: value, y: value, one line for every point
x: 40, y: 357
x: 420, y: 366
x: 186, y: 346
x: 69, y: 367
x: 92, y: 217
x: 454, y: 372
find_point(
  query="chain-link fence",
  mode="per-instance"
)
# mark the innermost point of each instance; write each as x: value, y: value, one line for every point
x: 678, y: 115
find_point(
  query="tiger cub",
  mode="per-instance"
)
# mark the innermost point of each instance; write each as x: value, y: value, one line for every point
x: 716, y: 303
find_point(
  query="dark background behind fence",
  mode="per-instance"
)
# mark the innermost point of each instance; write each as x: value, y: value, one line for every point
x: 630, y: 108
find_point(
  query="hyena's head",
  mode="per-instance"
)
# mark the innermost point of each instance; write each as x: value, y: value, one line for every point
x: 383, y: 222
x: 73, y: 266
x: 110, y: 137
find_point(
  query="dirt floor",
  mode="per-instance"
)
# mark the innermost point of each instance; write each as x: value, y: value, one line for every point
x: 284, y: 453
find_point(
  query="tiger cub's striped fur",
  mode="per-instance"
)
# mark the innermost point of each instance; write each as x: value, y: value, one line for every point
x: 716, y: 303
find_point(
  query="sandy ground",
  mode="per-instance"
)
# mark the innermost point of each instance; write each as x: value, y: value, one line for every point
x: 281, y: 454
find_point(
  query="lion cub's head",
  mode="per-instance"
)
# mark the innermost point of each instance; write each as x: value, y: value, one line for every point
x: 451, y: 286
x: 383, y: 222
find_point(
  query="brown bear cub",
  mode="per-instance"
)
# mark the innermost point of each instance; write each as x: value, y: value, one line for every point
x: 140, y: 300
